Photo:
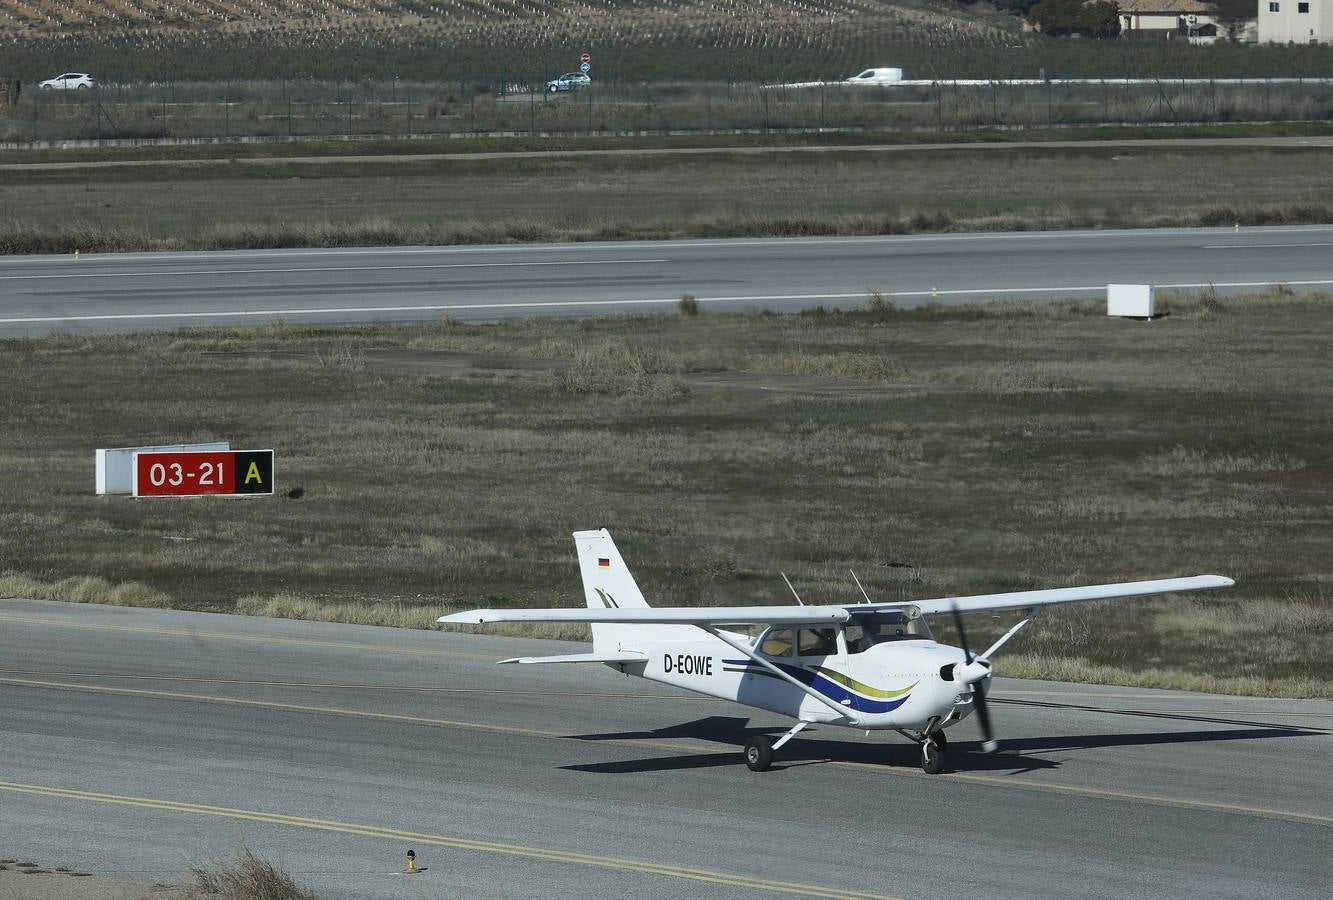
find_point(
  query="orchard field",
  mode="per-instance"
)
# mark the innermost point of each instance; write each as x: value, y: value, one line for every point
x: 523, y: 40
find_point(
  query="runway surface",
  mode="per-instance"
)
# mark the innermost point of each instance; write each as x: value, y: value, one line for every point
x: 136, y: 742
x: 130, y: 292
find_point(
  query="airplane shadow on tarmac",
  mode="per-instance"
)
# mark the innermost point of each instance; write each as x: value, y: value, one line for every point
x: 1016, y: 755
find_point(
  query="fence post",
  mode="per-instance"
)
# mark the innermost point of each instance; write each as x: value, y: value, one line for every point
x: 226, y: 110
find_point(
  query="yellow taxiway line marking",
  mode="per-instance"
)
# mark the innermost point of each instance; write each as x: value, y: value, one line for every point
x: 366, y: 686
x: 247, y: 638
x: 677, y: 747
x: 1190, y: 698
x: 452, y: 842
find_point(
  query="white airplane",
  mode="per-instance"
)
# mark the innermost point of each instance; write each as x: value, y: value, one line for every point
x: 870, y: 666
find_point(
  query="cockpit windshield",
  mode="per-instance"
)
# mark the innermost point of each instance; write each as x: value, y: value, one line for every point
x: 865, y: 631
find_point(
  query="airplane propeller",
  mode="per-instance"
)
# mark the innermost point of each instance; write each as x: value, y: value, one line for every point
x: 974, y: 670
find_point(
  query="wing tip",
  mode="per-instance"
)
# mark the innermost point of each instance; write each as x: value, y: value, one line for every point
x: 475, y: 617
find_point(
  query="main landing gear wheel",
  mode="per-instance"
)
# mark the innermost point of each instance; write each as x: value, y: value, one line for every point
x: 933, y: 752
x: 759, y: 753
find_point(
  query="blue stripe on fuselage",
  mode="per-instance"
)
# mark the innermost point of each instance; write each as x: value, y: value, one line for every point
x: 831, y: 689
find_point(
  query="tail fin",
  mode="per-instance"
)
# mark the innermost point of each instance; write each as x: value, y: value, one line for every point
x: 607, y: 584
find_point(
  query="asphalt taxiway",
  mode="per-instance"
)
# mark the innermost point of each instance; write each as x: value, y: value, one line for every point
x: 136, y: 742
x: 133, y: 292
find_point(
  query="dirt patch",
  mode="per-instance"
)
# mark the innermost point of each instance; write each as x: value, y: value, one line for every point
x: 28, y: 880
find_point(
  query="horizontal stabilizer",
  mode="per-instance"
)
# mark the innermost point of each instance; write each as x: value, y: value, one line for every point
x: 624, y: 656
x: 652, y: 615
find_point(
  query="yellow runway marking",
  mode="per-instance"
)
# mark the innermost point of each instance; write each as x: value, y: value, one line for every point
x: 456, y: 843
x: 679, y: 746
x: 192, y: 679
x: 248, y: 638
x: 1192, y: 698
x: 1108, y: 794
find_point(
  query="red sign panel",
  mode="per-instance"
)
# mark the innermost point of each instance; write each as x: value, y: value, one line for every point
x: 192, y: 474
x: 585, y: 58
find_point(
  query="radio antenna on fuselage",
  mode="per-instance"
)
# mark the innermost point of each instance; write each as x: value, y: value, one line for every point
x: 793, y: 590
x: 858, y: 584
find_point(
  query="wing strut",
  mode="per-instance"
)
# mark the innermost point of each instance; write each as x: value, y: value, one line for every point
x: 1032, y: 611
x: 741, y: 648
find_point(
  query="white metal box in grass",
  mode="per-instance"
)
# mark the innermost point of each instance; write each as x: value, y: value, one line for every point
x: 1134, y: 301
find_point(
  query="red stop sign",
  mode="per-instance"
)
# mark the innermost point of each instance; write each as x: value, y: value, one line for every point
x: 585, y: 58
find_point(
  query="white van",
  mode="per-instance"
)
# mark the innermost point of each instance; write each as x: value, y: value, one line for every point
x: 877, y: 76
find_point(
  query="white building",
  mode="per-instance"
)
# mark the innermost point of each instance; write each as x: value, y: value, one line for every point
x: 1295, y: 21
x: 1169, y: 19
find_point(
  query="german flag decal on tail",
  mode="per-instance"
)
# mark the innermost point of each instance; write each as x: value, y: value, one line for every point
x: 603, y: 563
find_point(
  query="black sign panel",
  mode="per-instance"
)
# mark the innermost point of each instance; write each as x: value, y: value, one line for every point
x: 252, y: 472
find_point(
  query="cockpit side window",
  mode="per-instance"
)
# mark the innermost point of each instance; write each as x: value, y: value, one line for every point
x: 817, y: 642
x: 864, y: 633
x: 778, y: 642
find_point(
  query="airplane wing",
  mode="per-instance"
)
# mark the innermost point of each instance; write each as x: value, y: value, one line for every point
x: 823, y: 615
x: 1056, y: 596
x: 659, y: 615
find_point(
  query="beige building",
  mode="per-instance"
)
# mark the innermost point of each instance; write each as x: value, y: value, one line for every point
x: 1170, y: 19
x: 1296, y: 21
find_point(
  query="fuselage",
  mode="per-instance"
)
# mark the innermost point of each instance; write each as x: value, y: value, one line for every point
x: 896, y: 684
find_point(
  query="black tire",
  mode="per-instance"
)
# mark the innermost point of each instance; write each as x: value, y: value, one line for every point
x: 84, y: 87
x: 933, y: 753
x: 554, y: 89
x: 759, y: 753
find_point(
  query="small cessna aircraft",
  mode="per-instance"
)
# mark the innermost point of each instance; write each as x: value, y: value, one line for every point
x: 866, y: 665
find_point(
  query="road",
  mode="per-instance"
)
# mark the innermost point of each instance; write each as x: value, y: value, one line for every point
x: 127, y: 292
x: 139, y: 741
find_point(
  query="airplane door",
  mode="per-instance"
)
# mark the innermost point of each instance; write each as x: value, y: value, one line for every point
x: 821, y: 656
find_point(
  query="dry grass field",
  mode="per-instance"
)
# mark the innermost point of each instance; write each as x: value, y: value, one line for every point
x: 329, y: 203
x: 977, y: 449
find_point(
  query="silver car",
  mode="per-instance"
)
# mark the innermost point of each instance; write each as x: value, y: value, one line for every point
x: 70, y: 81
x: 570, y: 81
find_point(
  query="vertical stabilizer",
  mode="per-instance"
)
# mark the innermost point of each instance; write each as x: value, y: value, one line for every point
x: 608, y: 584
x: 606, y: 580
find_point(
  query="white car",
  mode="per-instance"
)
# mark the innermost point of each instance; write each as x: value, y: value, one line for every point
x: 70, y: 81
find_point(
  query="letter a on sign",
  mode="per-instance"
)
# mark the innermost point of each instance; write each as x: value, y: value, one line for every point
x: 253, y: 472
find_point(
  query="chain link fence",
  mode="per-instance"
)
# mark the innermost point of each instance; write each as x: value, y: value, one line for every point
x: 509, y: 104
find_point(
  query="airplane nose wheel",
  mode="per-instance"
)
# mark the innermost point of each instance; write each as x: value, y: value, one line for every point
x: 933, y: 752
x: 758, y: 753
